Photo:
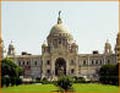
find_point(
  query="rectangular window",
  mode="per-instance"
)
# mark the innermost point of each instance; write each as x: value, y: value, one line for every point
x: 27, y: 62
x: 23, y: 62
x: 101, y: 62
x: 84, y: 62
x: 72, y: 71
x: 35, y: 63
x: 92, y: 62
x: 48, y: 71
x: 48, y: 62
x: 96, y: 62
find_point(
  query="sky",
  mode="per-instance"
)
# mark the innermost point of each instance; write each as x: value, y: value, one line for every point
x: 28, y: 24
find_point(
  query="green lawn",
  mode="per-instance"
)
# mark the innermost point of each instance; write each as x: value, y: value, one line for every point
x: 47, y: 88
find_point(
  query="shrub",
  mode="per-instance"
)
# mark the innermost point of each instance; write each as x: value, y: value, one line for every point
x: 109, y: 74
x: 2, y: 82
x: 18, y: 81
x: 44, y: 81
x: 38, y: 79
x: 65, y: 83
x: 7, y: 81
x: 79, y: 80
x: 13, y: 81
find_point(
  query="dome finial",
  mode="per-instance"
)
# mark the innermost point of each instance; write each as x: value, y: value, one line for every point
x: 59, y: 13
x: 107, y: 41
x: 11, y: 41
x: 59, y: 21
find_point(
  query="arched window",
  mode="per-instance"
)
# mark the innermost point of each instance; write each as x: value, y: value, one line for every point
x: 48, y: 62
x: 23, y: 62
x: 108, y: 61
x: 48, y: 71
x: 92, y: 62
x: 27, y: 62
x: 72, y: 71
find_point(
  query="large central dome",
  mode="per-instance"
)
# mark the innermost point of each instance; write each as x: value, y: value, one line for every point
x: 59, y: 34
x: 60, y: 38
x: 59, y: 28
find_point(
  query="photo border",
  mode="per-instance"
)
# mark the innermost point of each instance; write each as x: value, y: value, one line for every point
x: 54, y: 1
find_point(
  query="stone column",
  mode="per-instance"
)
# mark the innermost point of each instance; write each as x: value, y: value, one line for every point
x: 77, y: 66
x: 43, y: 66
x: 104, y: 59
x: 88, y: 63
x: 53, y: 66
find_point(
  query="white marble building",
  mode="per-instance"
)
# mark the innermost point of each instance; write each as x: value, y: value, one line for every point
x: 60, y: 56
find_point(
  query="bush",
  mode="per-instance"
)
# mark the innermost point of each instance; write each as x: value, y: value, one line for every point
x: 65, y: 83
x: 18, y: 81
x: 13, y: 81
x: 44, y: 81
x: 79, y: 80
x: 6, y: 81
x: 38, y: 79
x: 109, y: 74
x: 2, y: 82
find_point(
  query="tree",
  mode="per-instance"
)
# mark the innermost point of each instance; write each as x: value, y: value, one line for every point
x: 10, y: 72
x: 8, y: 67
x: 109, y: 74
x: 65, y: 83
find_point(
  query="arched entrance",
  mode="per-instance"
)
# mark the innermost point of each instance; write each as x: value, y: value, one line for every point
x: 60, y: 67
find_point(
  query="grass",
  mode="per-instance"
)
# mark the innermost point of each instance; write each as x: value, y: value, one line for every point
x: 48, y: 88
x: 97, y: 88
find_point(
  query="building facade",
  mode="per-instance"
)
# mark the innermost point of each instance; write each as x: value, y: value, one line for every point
x: 60, y: 56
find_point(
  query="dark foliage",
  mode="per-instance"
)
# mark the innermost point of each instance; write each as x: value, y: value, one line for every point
x: 65, y: 83
x: 10, y: 73
x: 109, y: 74
x: 79, y: 80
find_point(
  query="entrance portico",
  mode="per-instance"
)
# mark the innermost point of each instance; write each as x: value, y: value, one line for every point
x: 60, y: 67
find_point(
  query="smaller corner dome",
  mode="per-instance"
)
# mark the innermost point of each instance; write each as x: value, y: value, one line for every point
x: 44, y: 44
x: 107, y: 44
x: 74, y: 44
x: 59, y: 28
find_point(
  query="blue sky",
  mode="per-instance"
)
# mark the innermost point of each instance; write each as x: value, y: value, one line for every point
x: 28, y: 24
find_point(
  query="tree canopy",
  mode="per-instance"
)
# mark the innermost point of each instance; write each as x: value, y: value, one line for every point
x: 10, y: 72
x: 109, y: 74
